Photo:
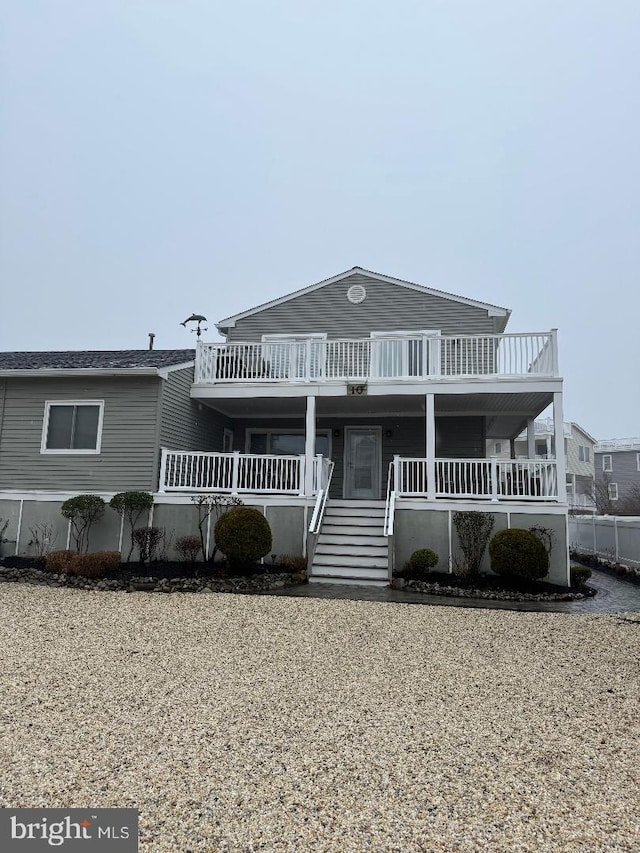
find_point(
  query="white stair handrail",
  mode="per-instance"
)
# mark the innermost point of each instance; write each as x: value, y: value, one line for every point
x: 390, y: 505
x: 321, y: 498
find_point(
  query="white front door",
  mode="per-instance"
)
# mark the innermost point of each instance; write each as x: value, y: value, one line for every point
x: 362, y: 462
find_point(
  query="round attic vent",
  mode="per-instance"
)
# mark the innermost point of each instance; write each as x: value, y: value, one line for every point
x: 356, y: 294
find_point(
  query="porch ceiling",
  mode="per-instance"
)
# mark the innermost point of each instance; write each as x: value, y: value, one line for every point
x: 506, y: 414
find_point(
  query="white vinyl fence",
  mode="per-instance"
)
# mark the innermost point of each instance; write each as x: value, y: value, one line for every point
x: 609, y: 537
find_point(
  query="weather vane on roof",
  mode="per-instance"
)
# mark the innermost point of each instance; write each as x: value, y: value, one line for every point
x: 195, y: 318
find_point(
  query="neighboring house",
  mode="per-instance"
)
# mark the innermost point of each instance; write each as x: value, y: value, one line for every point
x: 579, y: 457
x: 617, y: 464
x: 354, y: 412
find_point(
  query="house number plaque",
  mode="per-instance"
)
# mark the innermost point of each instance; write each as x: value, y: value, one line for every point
x: 357, y: 390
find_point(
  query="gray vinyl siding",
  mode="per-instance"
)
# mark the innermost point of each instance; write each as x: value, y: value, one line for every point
x: 574, y: 465
x: 187, y: 424
x: 387, y: 307
x: 127, y: 459
x: 624, y: 472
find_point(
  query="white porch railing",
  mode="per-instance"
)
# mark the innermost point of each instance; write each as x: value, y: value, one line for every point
x: 410, y: 357
x: 493, y: 479
x: 235, y: 473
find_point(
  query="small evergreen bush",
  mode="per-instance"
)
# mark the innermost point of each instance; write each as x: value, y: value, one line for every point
x: 82, y: 511
x: 580, y: 575
x: 421, y: 562
x: 243, y: 535
x: 518, y: 553
x: 131, y: 506
x: 292, y: 563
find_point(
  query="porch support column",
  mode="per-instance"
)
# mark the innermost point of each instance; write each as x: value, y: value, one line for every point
x: 430, y: 423
x: 309, y: 445
x: 559, y: 441
x: 512, y: 448
x: 531, y: 439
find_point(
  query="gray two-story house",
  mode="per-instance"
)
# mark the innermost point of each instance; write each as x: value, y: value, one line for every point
x: 617, y: 469
x: 355, y: 413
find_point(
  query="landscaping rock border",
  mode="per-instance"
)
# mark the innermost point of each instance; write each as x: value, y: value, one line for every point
x: 252, y: 583
x: 490, y: 594
x: 630, y: 574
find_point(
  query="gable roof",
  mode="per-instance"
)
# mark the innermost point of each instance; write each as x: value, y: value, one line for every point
x: 492, y: 310
x: 584, y: 432
x: 95, y: 361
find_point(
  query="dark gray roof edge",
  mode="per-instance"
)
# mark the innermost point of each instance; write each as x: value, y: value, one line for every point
x: 95, y: 359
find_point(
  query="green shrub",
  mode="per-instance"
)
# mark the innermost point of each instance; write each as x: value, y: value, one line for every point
x: 82, y: 511
x: 421, y: 562
x: 59, y: 562
x: 518, y: 553
x: 579, y: 575
x: 243, y: 535
x: 94, y: 565
x: 474, y: 529
x: 131, y: 506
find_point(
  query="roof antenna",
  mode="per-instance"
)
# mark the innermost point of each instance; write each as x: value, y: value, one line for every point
x: 151, y: 337
x: 195, y: 318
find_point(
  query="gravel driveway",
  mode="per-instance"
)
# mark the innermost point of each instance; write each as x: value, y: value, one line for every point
x: 246, y: 723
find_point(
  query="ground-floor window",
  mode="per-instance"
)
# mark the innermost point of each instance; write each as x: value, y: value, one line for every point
x: 281, y: 443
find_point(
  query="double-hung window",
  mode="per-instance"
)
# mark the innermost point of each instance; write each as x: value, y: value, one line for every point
x: 613, y: 491
x: 72, y: 426
x: 606, y: 462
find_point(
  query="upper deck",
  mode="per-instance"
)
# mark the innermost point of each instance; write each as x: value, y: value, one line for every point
x: 298, y: 360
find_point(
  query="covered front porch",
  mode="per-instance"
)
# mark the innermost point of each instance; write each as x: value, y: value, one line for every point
x: 433, y: 446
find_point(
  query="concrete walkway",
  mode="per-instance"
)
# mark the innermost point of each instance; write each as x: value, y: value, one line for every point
x: 614, y: 596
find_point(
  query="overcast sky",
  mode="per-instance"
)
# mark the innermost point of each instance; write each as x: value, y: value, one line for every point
x: 163, y: 158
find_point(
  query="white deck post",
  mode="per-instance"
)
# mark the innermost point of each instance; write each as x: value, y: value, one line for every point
x: 235, y: 472
x: 309, y: 444
x: 531, y: 439
x: 162, y: 484
x: 559, y: 440
x: 494, y: 479
x: 430, y: 424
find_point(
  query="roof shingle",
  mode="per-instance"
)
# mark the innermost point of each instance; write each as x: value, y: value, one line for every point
x: 94, y: 359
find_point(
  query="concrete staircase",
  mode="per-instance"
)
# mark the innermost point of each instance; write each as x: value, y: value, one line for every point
x: 352, y: 548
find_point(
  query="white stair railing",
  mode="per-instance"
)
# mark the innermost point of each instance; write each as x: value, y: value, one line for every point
x: 390, y: 504
x: 326, y: 473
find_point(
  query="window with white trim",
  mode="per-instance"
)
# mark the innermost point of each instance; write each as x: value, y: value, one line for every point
x: 638, y: 461
x: 607, y: 462
x: 584, y: 454
x: 227, y: 440
x: 285, y: 442
x: 72, y: 426
x: 613, y: 491
x: 498, y: 447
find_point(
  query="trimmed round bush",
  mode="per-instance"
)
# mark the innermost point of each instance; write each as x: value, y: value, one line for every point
x: 243, y: 535
x: 422, y: 561
x: 580, y: 575
x: 518, y: 553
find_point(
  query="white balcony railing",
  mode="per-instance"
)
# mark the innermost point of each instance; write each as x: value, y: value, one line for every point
x: 233, y: 473
x: 493, y: 479
x: 411, y: 357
